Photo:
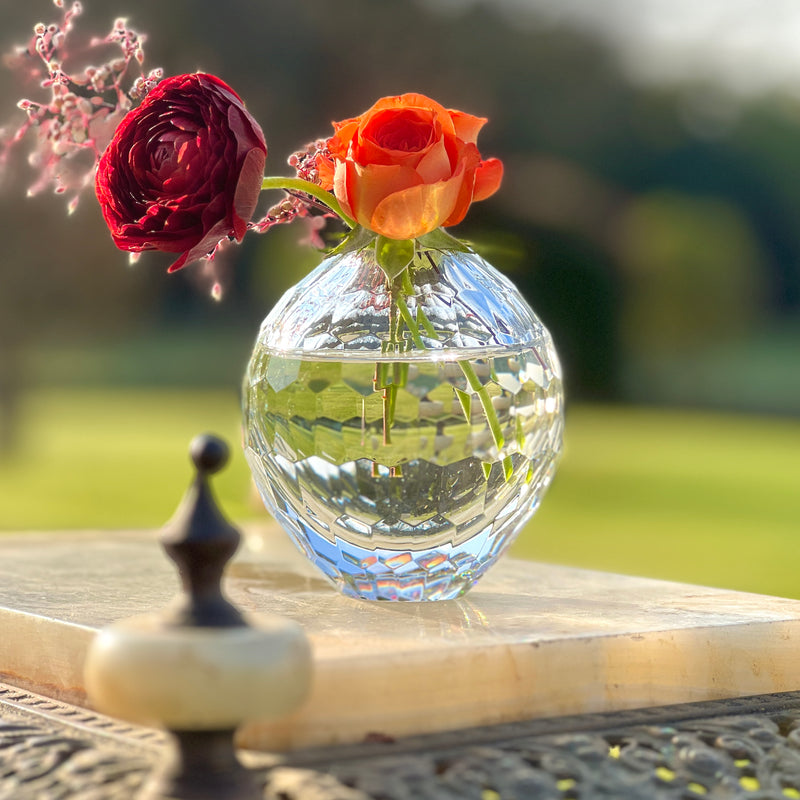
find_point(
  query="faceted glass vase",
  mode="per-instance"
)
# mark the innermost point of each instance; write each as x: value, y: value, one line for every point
x: 403, y: 431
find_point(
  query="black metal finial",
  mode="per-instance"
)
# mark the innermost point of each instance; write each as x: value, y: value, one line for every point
x: 201, y: 542
x: 209, y: 453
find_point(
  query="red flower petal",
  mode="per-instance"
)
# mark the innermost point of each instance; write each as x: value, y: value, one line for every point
x: 183, y: 170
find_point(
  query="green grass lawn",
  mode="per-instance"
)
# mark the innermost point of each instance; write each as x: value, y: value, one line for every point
x: 114, y: 458
x: 705, y: 498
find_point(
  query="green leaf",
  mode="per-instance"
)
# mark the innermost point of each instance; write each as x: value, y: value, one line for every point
x: 440, y: 239
x: 356, y: 240
x: 393, y: 255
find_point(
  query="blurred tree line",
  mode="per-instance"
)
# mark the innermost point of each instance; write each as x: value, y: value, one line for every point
x: 654, y: 230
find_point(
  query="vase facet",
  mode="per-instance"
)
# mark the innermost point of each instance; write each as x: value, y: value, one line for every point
x: 402, y: 434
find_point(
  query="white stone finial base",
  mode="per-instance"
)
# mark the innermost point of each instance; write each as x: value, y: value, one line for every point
x: 198, y: 678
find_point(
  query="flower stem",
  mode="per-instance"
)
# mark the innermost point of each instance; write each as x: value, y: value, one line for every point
x: 387, y: 383
x: 423, y: 320
x: 410, y: 322
x: 469, y: 372
x: 316, y: 191
x: 486, y: 402
x: 467, y: 368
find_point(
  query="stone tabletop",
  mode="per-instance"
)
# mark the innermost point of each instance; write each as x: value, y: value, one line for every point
x: 530, y: 641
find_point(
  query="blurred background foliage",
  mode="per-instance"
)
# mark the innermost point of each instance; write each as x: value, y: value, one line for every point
x: 649, y: 211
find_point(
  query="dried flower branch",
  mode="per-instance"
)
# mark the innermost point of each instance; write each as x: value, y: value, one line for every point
x: 73, y: 126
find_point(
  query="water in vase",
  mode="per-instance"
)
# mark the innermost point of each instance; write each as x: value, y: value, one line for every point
x: 403, y: 477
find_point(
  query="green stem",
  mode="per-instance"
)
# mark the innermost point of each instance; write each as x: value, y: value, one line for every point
x: 423, y: 320
x: 316, y: 191
x: 388, y: 385
x: 408, y: 287
x: 389, y: 401
x: 466, y: 367
x: 410, y: 322
x: 399, y: 297
x: 486, y: 402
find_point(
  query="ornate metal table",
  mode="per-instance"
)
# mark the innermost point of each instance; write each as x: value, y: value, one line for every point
x: 743, y: 748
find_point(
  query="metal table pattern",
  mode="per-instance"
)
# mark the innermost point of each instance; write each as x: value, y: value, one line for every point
x: 743, y: 748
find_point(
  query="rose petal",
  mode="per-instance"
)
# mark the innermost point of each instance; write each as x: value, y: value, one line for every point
x: 326, y: 169
x: 436, y: 165
x: 465, y: 174
x: 413, y: 100
x: 339, y: 143
x: 466, y: 126
x: 488, y: 178
x: 389, y: 137
x: 415, y: 211
x: 365, y: 187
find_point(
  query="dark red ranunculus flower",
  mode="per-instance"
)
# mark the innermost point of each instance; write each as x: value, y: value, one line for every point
x: 183, y: 170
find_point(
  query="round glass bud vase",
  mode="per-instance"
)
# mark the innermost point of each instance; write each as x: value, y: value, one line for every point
x: 403, y: 431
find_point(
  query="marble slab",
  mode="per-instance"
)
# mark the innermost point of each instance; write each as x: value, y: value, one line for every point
x: 531, y: 640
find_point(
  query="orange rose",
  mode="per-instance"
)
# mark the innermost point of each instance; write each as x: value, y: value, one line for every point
x: 408, y: 166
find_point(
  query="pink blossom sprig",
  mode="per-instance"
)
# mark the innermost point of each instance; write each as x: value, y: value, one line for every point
x: 300, y: 205
x: 74, y: 125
